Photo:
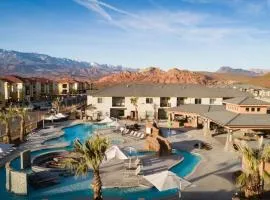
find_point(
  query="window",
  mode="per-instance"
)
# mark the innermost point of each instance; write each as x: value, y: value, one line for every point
x: 213, y: 101
x: 252, y: 109
x: 247, y: 109
x: 258, y: 109
x: 149, y: 100
x: 198, y: 101
x: 99, y: 100
x: 64, y: 85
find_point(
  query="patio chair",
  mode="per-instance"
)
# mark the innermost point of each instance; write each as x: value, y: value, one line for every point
x: 142, y: 136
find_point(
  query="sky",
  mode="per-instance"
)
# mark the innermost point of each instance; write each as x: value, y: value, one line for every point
x: 189, y: 34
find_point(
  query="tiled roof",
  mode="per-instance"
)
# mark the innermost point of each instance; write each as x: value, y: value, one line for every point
x: 166, y: 90
x: 11, y: 79
x: 196, y: 108
x: 227, y: 118
x: 246, y: 101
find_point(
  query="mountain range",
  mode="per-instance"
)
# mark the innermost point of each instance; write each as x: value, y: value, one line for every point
x: 35, y: 64
x: 243, y: 72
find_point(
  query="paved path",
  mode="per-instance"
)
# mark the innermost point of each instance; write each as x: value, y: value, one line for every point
x: 213, y: 177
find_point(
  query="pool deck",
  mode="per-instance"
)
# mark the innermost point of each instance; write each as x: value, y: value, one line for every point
x: 211, y: 179
x: 114, y: 174
x: 213, y: 176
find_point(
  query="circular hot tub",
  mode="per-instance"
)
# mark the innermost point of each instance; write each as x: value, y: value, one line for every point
x: 49, y: 162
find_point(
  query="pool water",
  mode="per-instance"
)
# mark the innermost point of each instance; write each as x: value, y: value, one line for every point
x: 79, y: 187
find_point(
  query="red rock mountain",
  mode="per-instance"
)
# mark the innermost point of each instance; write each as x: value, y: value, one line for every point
x: 156, y: 75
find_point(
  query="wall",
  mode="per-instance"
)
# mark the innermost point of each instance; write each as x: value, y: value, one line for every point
x: 143, y: 107
x: 242, y: 109
x: 16, y: 182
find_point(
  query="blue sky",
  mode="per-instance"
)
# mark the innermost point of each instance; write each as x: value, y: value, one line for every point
x: 190, y: 34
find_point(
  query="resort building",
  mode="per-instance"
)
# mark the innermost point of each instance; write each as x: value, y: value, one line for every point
x: 12, y: 88
x: 153, y: 100
x: 240, y: 115
x: 72, y: 86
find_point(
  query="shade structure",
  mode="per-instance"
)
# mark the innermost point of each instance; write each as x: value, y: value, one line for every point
x: 106, y: 121
x: 5, y: 147
x: 51, y: 118
x: 115, y: 153
x: 167, y: 180
x: 60, y: 115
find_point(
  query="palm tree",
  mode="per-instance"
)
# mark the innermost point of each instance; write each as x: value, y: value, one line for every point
x: 5, y: 117
x: 134, y: 102
x: 89, y: 155
x: 254, y: 175
x: 23, y: 114
x: 56, y: 104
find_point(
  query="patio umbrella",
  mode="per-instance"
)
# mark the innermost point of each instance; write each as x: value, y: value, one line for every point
x: 114, y: 152
x: 51, y: 118
x: 106, y: 120
x: 167, y: 180
x: 114, y: 124
x: 60, y: 115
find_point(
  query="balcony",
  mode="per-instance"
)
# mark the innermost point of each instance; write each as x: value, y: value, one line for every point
x: 118, y: 102
x: 165, y: 102
x: 181, y: 101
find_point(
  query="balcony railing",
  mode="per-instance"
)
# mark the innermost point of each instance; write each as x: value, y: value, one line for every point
x: 118, y: 104
x: 165, y: 104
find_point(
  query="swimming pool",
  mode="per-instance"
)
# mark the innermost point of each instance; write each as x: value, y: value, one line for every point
x: 78, y: 187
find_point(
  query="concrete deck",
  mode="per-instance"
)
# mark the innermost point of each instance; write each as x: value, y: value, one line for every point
x: 213, y: 177
x: 114, y: 174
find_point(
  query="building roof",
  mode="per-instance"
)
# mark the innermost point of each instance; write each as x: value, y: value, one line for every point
x: 196, y: 108
x: 247, y: 101
x: 11, y: 79
x: 227, y: 118
x: 166, y: 90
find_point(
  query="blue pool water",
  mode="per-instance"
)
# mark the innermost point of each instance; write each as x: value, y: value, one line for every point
x: 79, y: 187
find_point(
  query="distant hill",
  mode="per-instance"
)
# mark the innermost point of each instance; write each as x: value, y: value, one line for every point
x: 238, y: 71
x: 263, y: 81
x: 35, y: 64
x: 156, y: 75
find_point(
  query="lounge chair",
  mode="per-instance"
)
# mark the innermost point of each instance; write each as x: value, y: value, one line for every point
x: 142, y: 136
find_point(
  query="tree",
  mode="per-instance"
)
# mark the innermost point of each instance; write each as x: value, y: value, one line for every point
x: 5, y: 117
x: 89, y: 155
x: 56, y: 104
x: 23, y: 114
x: 134, y: 102
x: 252, y: 179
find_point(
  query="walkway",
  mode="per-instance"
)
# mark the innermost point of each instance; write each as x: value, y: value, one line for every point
x: 213, y: 176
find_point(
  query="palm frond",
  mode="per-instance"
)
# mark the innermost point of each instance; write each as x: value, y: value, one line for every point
x: 266, y: 153
x: 266, y: 176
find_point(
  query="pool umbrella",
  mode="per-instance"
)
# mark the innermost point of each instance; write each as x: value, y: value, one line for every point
x: 167, y: 180
x: 114, y: 124
x: 106, y: 120
x: 51, y: 118
x: 115, y: 152
x: 60, y: 115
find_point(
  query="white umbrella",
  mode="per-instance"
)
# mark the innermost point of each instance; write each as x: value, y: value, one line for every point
x: 106, y: 120
x: 114, y: 152
x: 167, y: 180
x: 51, y: 117
x: 114, y: 124
x: 60, y: 115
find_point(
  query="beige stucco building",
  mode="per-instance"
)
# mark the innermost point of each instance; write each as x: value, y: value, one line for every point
x: 152, y: 99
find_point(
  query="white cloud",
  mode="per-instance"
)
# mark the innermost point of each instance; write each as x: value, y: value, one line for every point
x: 188, y: 25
